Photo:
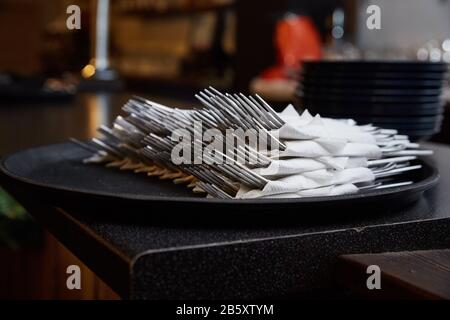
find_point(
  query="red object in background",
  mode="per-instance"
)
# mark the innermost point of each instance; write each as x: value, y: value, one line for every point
x: 296, y: 39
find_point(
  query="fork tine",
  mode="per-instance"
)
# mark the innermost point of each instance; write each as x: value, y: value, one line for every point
x: 397, y: 171
x: 270, y: 110
x: 108, y: 148
x: 85, y: 145
x: 268, y: 118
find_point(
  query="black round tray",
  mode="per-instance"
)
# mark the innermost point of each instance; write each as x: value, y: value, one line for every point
x: 55, y: 175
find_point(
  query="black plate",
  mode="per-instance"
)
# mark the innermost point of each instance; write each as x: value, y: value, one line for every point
x: 373, y: 75
x: 55, y: 174
x: 433, y: 123
x: 426, y: 122
x: 371, y: 83
x: 401, y: 120
x: 354, y: 91
x: 369, y: 99
x: 380, y: 66
x: 376, y: 109
x: 415, y: 132
x: 404, y: 126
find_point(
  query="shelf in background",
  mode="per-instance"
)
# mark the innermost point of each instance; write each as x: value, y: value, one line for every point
x: 176, y: 11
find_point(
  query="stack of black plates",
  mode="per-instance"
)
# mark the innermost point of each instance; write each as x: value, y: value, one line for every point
x: 400, y: 95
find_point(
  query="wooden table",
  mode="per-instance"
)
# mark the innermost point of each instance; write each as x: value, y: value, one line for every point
x: 408, y: 274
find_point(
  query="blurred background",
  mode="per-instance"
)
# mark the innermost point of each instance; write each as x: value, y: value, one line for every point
x: 57, y: 83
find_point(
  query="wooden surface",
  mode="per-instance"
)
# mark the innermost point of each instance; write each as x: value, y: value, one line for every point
x: 413, y: 274
x: 40, y: 273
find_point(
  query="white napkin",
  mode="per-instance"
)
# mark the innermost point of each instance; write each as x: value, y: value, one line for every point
x: 329, y: 147
x: 335, y: 190
x: 309, y: 180
x: 306, y: 127
x: 290, y: 115
x: 291, y: 166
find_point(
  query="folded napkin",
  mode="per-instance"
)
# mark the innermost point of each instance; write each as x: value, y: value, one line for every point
x: 324, y: 147
x: 284, y: 167
x: 306, y: 127
x: 309, y: 180
x: 290, y: 115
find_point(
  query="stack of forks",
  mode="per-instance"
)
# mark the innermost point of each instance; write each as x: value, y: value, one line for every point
x: 293, y: 156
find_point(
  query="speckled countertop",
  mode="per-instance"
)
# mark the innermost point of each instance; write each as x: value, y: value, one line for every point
x: 152, y: 259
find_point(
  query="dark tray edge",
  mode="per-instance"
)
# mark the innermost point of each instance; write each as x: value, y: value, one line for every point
x: 420, y: 186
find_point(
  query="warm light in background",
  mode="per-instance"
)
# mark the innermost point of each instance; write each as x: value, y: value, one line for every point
x: 88, y: 71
